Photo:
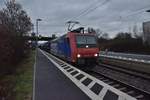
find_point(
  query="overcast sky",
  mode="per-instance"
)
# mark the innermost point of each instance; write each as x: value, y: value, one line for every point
x: 110, y: 16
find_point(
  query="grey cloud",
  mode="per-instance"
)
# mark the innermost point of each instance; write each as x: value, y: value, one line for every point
x: 111, y: 17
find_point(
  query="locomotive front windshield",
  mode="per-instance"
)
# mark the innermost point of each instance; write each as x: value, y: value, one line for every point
x: 83, y: 40
x: 86, y: 40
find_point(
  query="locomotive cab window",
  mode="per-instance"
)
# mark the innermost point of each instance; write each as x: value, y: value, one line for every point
x: 80, y: 40
x: 83, y: 40
x: 90, y: 39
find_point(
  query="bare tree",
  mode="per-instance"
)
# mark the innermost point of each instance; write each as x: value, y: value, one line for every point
x: 16, y: 19
x: 99, y: 32
x: 14, y: 26
x: 105, y: 36
x: 135, y: 31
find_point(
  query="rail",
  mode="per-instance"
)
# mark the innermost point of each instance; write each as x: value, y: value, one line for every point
x: 126, y: 56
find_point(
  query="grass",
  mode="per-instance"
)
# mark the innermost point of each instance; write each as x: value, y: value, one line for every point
x: 24, y: 78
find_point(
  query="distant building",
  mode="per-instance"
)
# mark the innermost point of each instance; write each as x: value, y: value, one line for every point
x: 146, y: 32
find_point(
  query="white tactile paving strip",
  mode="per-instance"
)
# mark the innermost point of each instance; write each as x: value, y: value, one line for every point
x: 92, y: 87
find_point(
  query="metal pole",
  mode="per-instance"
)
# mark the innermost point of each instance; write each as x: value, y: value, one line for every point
x: 37, y: 33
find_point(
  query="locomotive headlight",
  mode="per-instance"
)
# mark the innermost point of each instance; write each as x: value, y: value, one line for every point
x: 78, y: 55
x: 96, y: 55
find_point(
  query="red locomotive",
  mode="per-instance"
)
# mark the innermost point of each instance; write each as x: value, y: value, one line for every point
x: 77, y: 47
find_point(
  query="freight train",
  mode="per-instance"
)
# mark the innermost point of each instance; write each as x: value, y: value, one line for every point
x: 76, y: 47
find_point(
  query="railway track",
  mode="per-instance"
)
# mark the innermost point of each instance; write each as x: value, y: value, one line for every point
x: 130, y: 90
x: 127, y: 76
x: 127, y: 71
x: 117, y: 79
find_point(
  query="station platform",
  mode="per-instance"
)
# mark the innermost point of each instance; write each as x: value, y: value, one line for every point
x: 51, y: 84
x: 55, y: 79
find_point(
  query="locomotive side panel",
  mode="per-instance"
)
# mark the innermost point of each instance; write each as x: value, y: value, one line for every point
x: 61, y: 48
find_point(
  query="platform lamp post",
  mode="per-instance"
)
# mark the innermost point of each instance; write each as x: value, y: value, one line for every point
x: 37, y: 33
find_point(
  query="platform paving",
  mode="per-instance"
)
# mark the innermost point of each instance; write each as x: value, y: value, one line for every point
x: 51, y: 84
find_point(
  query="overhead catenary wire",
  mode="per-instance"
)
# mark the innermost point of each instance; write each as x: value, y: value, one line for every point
x: 96, y: 5
x: 120, y: 17
x: 135, y: 12
x: 143, y: 9
x: 52, y: 25
x: 91, y: 8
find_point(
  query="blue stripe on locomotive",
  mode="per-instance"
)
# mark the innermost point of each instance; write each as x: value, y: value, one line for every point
x: 63, y: 48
